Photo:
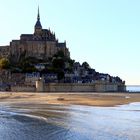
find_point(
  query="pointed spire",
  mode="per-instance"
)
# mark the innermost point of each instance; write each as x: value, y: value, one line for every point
x: 38, y: 15
x: 38, y: 23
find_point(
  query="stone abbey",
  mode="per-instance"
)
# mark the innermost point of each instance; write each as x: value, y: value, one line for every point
x: 42, y: 44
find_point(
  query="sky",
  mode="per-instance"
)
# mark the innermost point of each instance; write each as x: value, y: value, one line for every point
x: 105, y: 33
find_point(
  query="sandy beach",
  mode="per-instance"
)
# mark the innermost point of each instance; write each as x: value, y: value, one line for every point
x: 91, y: 99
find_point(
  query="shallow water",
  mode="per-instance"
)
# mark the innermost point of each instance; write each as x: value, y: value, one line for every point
x: 133, y: 88
x: 71, y: 123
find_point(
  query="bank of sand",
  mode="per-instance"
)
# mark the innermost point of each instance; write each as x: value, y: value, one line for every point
x: 92, y: 99
x: 45, y: 104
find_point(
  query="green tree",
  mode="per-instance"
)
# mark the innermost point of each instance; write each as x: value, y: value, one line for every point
x: 85, y: 65
x: 59, y: 54
x: 4, y: 63
x: 58, y: 63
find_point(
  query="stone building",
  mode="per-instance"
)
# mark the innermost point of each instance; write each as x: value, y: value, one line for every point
x: 42, y: 44
x: 4, y: 51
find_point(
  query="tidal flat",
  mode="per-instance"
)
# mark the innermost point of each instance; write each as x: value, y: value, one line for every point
x: 59, y: 117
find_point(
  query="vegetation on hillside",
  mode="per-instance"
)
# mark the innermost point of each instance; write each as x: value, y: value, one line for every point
x: 57, y: 64
x: 4, y: 63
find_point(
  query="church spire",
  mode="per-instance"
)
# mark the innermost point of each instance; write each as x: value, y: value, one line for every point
x: 38, y: 15
x: 38, y: 23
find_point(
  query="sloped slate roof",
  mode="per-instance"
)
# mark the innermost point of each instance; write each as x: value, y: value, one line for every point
x: 38, y: 24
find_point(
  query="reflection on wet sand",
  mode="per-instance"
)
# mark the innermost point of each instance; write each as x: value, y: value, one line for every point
x: 75, y: 122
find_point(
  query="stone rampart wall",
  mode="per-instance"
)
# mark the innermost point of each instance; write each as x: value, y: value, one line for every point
x: 23, y: 88
x: 70, y: 87
x: 63, y: 87
x: 83, y: 87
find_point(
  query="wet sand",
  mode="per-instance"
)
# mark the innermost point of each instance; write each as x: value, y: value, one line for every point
x: 69, y: 122
x: 60, y: 116
x: 90, y: 99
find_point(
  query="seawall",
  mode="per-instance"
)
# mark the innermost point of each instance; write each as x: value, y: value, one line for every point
x: 81, y: 87
x: 71, y: 87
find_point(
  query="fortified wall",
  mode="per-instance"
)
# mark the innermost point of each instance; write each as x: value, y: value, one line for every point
x: 80, y: 87
x: 71, y: 87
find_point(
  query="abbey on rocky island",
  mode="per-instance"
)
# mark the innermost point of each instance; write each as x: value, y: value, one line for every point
x: 42, y: 44
x: 39, y: 62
